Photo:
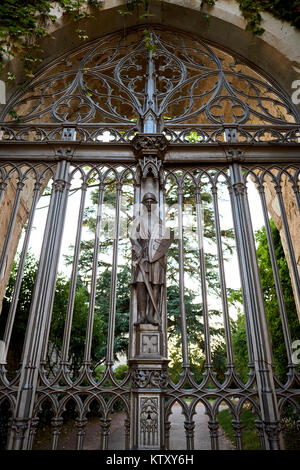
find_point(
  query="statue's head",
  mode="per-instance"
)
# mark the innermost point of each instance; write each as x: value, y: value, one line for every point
x: 148, y: 200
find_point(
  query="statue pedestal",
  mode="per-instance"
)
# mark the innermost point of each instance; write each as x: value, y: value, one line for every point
x: 149, y: 379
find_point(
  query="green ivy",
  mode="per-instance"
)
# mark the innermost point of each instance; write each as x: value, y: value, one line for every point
x: 251, y: 10
x: 24, y: 22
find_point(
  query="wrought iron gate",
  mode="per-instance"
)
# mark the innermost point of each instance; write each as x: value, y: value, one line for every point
x: 183, y: 127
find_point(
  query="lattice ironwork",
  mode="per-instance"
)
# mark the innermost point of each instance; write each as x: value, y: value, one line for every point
x: 116, y: 80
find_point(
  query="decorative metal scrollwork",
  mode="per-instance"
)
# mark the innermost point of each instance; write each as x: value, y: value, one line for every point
x: 116, y: 80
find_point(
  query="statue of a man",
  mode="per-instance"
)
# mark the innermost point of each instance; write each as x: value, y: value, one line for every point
x: 149, y: 247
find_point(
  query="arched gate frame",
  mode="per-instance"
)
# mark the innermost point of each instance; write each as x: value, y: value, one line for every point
x: 183, y: 109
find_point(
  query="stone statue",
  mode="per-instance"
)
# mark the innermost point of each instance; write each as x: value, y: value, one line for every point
x: 149, y: 247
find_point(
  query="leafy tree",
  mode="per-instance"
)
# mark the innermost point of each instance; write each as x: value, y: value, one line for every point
x: 58, y: 318
x: 122, y: 309
x: 78, y: 332
x: 22, y: 313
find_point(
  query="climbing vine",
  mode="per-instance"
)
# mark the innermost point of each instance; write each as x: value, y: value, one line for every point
x: 24, y: 22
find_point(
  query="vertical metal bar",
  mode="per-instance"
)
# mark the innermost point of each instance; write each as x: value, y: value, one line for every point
x: 167, y: 432
x: 32, y: 433
x: 41, y: 301
x: 48, y: 321
x: 113, y: 284
x: 261, y: 434
x: 164, y: 320
x: 105, y: 431
x: 200, y: 230
x: 127, y: 432
x: 56, y: 423
x: 136, y: 213
x: 277, y: 280
x: 257, y: 316
x: 245, y: 305
x: 80, y: 425
x: 90, y: 322
x: 3, y: 183
x: 225, y: 310
x: 74, y: 275
x: 185, y: 354
x: 19, y: 277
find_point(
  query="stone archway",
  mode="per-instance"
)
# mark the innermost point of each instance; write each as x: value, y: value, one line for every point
x: 145, y: 137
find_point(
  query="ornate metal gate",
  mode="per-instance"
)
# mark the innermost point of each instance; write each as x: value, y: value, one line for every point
x: 169, y: 125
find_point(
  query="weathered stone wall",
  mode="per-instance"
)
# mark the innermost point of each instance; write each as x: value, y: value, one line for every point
x: 293, y: 218
x: 6, y: 209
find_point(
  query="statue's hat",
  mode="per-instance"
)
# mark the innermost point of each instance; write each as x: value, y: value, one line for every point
x: 148, y: 196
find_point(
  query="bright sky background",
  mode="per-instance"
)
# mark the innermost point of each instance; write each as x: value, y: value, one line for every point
x: 231, y: 267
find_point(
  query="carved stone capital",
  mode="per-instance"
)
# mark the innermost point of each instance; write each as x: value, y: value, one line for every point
x: 19, y: 427
x: 80, y: 425
x: 149, y: 378
x: 213, y: 427
x: 272, y: 430
x: 64, y: 152
x: 60, y: 185
x: 105, y: 426
x: 150, y: 144
x: 56, y: 423
x: 189, y: 427
x: 235, y: 155
x: 239, y: 189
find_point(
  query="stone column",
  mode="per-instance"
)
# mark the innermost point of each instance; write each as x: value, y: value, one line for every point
x: 254, y: 308
x: 148, y: 346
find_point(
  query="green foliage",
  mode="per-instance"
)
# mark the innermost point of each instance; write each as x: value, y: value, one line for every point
x: 250, y: 438
x: 121, y: 371
x: 78, y: 332
x: 195, y: 336
x: 240, y: 348
x: 99, y: 371
x: 24, y: 23
x: 288, y: 10
x: 122, y: 309
x: 26, y: 290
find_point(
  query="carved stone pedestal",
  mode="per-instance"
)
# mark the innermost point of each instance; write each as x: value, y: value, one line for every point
x: 149, y: 379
